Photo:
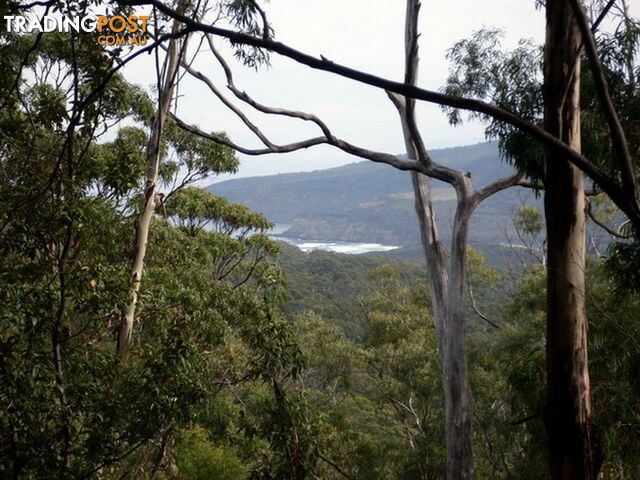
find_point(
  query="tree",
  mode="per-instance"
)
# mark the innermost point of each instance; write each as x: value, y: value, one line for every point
x: 447, y: 284
x: 573, y: 451
x: 167, y: 81
x: 573, y: 445
x: 567, y: 238
x: 377, y: 398
x: 69, y: 409
x: 520, y: 354
x: 623, y: 193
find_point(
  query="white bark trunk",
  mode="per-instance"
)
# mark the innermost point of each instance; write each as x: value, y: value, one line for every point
x: 458, y: 409
x: 170, y: 69
x: 446, y: 285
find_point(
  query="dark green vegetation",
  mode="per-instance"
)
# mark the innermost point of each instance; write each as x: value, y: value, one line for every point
x: 372, y: 378
x: 368, y: 202
x: 211, y: 346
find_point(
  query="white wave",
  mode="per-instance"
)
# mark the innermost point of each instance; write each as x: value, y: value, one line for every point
x: 351, y: 248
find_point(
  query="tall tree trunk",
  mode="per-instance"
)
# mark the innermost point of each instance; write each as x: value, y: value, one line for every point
x: 458, y: 408
x: 170, y: 70
x: 572, y: 450
x: 446, y: 285
x: 432, y: 247
x: 447, y: 292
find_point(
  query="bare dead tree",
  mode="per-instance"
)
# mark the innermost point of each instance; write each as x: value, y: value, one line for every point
x: 447, y: 281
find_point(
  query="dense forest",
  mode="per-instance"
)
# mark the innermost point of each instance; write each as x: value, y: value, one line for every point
x: 152, y: 328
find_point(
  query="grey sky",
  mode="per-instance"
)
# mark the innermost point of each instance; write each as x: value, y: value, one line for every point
x: 365, y: 34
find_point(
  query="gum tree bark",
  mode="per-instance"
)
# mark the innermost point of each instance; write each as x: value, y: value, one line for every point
x: 446, y: 287
x: 573, y: 454
x: 170, y: 69
x: 446, y: 283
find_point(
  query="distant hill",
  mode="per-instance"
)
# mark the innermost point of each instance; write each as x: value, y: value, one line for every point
x: 369, y: 202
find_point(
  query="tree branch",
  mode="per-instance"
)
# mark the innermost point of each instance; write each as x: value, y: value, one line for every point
x: 621, y: 146
x: 631, y: 207
x: 474, y: 305
x: 239, y: 113
x: 604, y: 226
x: 243, y: 96
x: 223, y: 140
x: 498, y: 186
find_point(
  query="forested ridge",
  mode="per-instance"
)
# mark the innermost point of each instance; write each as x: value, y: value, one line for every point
x: 152, y: 327
x: 366, y: 202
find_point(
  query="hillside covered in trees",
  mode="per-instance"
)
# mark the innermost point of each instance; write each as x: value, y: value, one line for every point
x: 366, y: 202
x: 153, y: 327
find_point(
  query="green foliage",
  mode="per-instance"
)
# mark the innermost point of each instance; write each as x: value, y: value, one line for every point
x: 480, y: 68
x: 376, y: 400
x: 511, y: 79
x: 623, y: 262
x: 197, y: 458
x: 120, y: 164
x: 518, y: 353
x: 207, y: 322
x: 198, y: 155
x: 221, y: 383
x: 614, y: 366
x: 353, y: 383
x: 329, y: 285
x: 528, y: 220
x: 248, y: 16
x: 195, y: 208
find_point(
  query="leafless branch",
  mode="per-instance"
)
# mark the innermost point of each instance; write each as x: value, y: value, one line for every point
x: 631, y: 206
x: 223, y: 140
x: 243, y: 96
x: 498, y: 186
x: 474, y: 305
x: 204, y: 79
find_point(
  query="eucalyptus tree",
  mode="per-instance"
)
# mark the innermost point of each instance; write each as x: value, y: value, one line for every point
x: 567, y: 327
x: 69, y: 194
x: 167, y: 80
x: 51, y: 119
x: 574, y: 444
x: 447, y: 282
x: 243, y: 14
x: 620, y: 187
x: 573, y: 449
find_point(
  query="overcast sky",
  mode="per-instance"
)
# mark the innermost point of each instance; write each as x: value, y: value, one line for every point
x: 365, y: 34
